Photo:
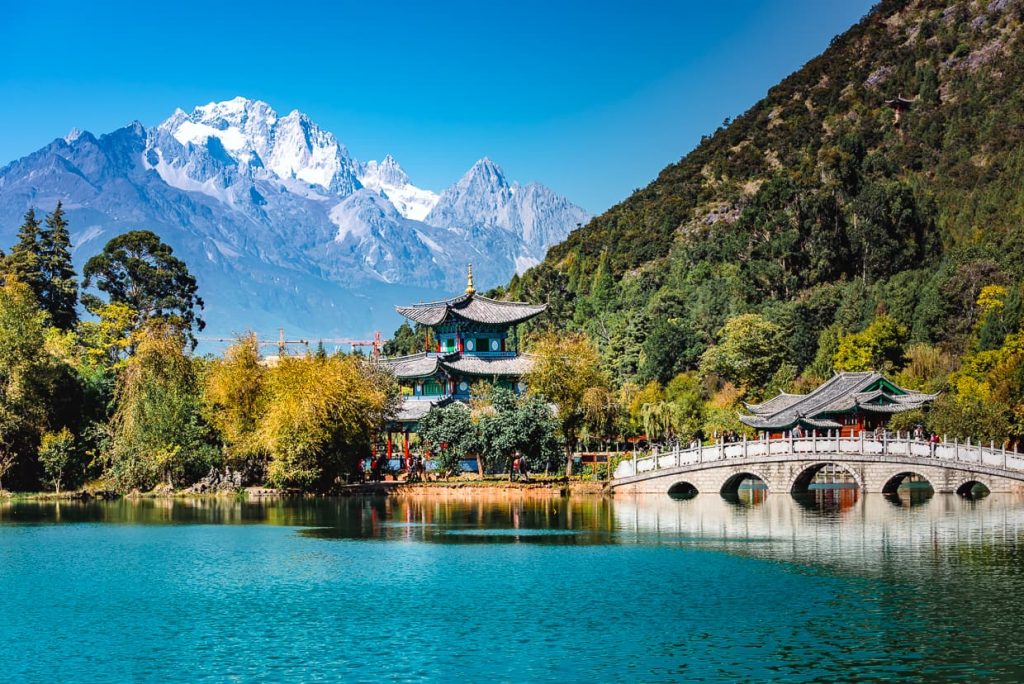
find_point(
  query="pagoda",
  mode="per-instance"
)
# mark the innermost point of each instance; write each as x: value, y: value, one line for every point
x: 847, y: 404
x: 474, y: 340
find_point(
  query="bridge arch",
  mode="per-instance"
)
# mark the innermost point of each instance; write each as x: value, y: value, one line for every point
x: 731, y: 484
x: 973, y: 487
x: 683, y: 490
x: 802, y: 482
x: 893, y: 483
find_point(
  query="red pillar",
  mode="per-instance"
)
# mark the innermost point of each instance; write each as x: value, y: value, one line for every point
x: 405, y: 445
x: 389, y: 445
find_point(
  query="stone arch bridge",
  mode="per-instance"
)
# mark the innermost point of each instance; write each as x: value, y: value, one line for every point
x: 789, y: 465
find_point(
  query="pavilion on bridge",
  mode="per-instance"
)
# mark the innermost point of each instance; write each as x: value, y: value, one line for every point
x: 849, y: 403
x: 475, y: 339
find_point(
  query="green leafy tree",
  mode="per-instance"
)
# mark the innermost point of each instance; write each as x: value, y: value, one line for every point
x: 565, y: 367
x: 451, y: 436
x: 138, y: 270
x: 518, y: 425
x: 158, y: 433
x: 878, y: 347
x: 749, y: 351
x: 58, y: 454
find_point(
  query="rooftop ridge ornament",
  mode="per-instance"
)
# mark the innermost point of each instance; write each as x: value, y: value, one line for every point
x: 469, y: 281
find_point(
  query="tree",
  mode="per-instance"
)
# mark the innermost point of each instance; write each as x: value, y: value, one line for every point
x: 750, y: 349
x: 25, y: 262
x: 59, y: 293
x: 450, y: 436
x: 235, y: 400
x: 878, y: 347
x: 27, y: 377
x: 670, y: 348
x: 137, y: 269
x: 407, y: 340
x: 57, y: 454
x: 158, y: 433
x: 321, y: 417
x: 517, y: 424
x: 970, y: 411
x: 108, y: 340
x: 565, y: 367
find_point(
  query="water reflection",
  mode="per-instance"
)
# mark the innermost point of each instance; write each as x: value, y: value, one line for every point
x: 832, y: 585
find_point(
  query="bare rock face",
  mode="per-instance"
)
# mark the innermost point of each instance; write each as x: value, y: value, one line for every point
x: 216, y: 481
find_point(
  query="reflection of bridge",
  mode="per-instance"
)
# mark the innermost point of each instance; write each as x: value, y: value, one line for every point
x: 790, y: 465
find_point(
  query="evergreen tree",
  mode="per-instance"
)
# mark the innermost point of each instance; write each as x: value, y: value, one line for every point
x: 59, y: 292
x: 25, y: 261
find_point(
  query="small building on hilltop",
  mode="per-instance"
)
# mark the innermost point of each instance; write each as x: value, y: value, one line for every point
x: 474, y: 339
x: 849, y: 403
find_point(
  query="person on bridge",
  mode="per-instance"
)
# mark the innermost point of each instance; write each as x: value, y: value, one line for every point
x: 797, y: 432
x: 932, y: 443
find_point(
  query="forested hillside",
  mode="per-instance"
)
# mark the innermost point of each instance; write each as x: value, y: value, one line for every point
x: 829, y: 234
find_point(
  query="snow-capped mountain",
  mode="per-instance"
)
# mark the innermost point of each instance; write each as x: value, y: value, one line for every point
x: 388, y: 177
x: 279, y: 223
x: 533, y: 214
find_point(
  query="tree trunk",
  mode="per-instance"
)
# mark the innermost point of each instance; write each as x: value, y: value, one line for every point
x: 568, y: 460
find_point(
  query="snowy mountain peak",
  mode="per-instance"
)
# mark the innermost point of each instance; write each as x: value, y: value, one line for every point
x: 388, y: 177
x: 73, y: 135
x: 245, y: 140
x: 487, y: 172
x: 387, y: 171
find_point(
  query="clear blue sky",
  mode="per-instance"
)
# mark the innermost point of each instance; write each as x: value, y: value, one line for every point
x: 591, y: 98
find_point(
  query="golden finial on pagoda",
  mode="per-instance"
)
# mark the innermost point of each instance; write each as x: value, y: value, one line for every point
x: 469, y: 281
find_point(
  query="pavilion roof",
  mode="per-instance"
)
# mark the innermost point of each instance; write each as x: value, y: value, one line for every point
x: 489, y: 365
x: 421, y: 365
x: 843, y: 393
x: 471, y: 307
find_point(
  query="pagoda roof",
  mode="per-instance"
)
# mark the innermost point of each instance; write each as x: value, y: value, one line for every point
x: 422, y: 365
x: 427, y: 364
x: 489, y: 365
x: 843, y: 393
x: 471, y: 307
x: 412, y: 410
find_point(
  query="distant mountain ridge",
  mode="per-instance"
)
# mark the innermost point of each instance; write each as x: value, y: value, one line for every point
x: 282, y: 226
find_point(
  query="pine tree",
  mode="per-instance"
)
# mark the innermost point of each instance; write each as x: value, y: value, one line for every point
x: 60, y: 286
x: 25, y: 260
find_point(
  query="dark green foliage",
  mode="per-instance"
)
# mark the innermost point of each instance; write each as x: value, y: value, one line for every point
x: 406, y: 340
x: 139, y: 270
x: 59, y: 294
x: 24, y: 262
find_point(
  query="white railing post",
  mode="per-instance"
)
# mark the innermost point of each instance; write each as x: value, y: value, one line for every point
x: 744, y: 446
x: 956, y: 448
x: 1004, y: 455
x: 677, y: 455
x: 861, y: 442
x: 634, y: 461
x: 700, y: 452
x: 885, y: 443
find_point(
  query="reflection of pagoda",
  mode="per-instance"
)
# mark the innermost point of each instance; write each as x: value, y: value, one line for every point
x: 475, y: 340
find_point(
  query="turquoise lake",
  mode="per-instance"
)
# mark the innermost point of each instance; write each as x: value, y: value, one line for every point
x: 445, y: 588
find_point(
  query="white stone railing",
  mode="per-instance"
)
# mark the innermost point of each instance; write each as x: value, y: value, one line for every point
x: 829, y: 447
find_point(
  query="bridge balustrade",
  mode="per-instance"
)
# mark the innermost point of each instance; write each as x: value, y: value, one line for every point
x: 885, y: 447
